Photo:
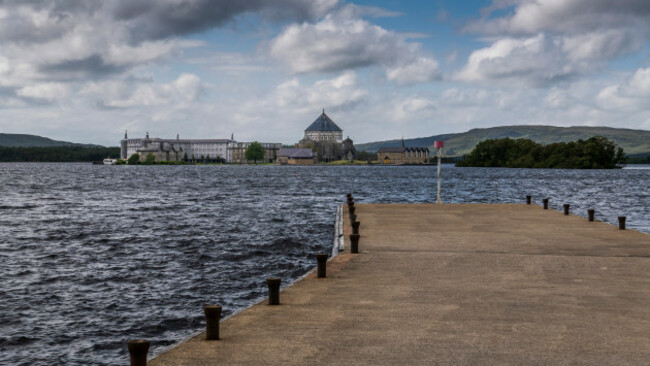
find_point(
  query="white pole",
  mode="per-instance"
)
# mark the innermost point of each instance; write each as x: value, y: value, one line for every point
x: 439, y: 162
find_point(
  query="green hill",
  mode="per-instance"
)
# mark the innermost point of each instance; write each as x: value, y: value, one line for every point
x: 635, y: 142
x: 22, y: 140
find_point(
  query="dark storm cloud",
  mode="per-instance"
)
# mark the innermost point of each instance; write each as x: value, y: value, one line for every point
x: 154, y: 19
x: 93, y: 66
x: 146, y: 19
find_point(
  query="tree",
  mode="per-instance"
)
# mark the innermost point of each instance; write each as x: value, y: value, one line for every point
x: 134, y: 159
x: 150, y: 159
x: 255, y: 152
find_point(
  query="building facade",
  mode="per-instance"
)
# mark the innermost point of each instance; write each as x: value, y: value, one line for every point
x: 403, y: 155
x: 175, y: 149
x: 237, y: 152
x: 325, y: 139
x: 296, y: 156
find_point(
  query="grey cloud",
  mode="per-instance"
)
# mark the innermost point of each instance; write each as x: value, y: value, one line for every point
x: 92, y: 66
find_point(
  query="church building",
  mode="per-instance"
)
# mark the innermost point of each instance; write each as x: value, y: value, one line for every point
x: 325, y: 138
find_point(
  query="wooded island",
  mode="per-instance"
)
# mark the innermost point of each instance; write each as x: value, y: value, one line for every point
x: 594, y: 153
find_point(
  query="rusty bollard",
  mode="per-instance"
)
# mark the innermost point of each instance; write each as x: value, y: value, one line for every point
x: 354, y: 240
x: 355, y: 227
x: 274, y: 290
x: 322, y: 265
x: 212, y: 318
x: 528, y: 200
x: 566, y: 209
x: 591, y: 212
x: 621, y: 222
x: 545, y: 201
x: 138, y: 350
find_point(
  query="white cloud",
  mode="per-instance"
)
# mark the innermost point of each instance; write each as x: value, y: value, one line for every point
x: 631, y: 94
x: 342, y: 41
x: 45, y: 91
x: 129, y: 93
x: 535, y: 61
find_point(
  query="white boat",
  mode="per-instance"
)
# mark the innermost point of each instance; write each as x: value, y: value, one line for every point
x: 109, y: 161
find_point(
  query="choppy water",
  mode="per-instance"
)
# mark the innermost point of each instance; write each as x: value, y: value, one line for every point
x: 91, y: 256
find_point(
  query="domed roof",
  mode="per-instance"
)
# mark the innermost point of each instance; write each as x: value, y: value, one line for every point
x: 323, y: 123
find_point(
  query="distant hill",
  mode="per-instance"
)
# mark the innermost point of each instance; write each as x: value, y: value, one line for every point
x: 22, y: 140
x: 634, y: 142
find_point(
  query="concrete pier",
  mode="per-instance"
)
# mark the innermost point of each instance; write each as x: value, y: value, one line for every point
x: 466, y: 284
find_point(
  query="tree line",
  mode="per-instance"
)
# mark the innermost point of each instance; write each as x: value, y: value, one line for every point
x: 594, y: 153
x: 57, y: 154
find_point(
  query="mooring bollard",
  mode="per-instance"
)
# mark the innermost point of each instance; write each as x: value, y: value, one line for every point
x: 621, y: 222
x: 591, y: 212
x: 322, y: 265
x: 138, y: 350
x: 355, y: 227
x: 274, y: 290
x: 354, y: 243
x: 212, y: 318
x: 566, y: 209
x: 528, y: 200
x: 545, y: 201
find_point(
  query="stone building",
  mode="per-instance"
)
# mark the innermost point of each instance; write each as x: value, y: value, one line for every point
x: 226, y: 150
x: 175, y: 149
x: 296, y: 156
x: 403, y: 155
x: 237, y: 152
x: 325, y: 139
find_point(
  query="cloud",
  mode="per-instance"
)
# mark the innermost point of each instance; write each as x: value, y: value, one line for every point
x: 137, y: 93
x: 535, y: 61
x: 340, y: 93
x: 45, y: 91
x: 631, y: 94
x: 586, y: 29
x: 343, y: 41
x: 159, y: 19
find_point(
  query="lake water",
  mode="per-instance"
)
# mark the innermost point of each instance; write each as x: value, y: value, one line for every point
x: 91, y: 256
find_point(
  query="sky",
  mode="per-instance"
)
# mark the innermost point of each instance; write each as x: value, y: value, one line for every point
x: 263, y: 70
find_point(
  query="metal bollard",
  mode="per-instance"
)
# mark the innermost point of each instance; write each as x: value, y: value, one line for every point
x: 528, y: 200
x: 566, y: 209
x: 274, y: 290
x: 355, y: 227
x: 545, y: 201
x: 322, y: 265
x: 138, y: 350
x: 621, y: 222
x: 354, y: 240
x: 212, y: 318
x: 591, y: 212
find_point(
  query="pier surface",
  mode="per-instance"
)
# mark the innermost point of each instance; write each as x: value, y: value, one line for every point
x: 454, y: 284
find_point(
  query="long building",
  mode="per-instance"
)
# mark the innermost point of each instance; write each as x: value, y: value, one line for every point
x: 227, y: 150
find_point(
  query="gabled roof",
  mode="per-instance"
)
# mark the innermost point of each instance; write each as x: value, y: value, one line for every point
x: 399, y: 149
x: 323, y: 123
x: 296, y: 153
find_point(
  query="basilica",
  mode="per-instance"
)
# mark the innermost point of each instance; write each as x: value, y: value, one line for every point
x: 325, y: 139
